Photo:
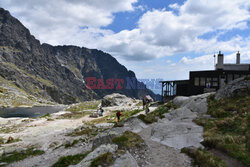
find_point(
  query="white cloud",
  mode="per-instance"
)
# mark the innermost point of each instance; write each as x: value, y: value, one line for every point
x: 54, y: 21
x: 174, y: 6
x: 163, y: 33
x: 158, y: 33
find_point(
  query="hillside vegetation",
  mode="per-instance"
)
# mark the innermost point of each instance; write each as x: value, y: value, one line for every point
x: 229, y: 129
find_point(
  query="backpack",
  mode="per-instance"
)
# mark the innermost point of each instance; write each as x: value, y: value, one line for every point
x: 118, y: 114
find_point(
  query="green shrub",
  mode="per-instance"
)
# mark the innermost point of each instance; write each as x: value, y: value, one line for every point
x: 2, y: 90
x: 17, y: 156
x: 158, y: 113
x: 69, y: 160
x: 128, y: 114
x: 118, y: 124
x: 203, y: 158
x: 171, y: 105
x: 88, y: 105
x: 103, y: 160
x: 81, y: 131
x: 45, y: 115
x: 71, y: 144
x: 1, y: 141
x: 229, y: 128
x: 148, y: 119
x: 128, y: 140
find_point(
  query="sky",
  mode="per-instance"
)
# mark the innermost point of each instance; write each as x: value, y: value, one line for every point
x: 155, y: 38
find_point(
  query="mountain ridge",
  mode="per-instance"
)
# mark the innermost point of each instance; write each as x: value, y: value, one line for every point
x: 56, y: 73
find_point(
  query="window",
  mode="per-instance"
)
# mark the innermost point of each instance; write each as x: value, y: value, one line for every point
x: 229, y: 78
x: 196, y: 81
x: 215, y: 79
x: 202, y: 81
x: 236, y: 76
x: 214, y: 83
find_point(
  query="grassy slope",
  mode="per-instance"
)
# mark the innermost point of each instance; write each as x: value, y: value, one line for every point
x: 203, y: 158
x: 158, y: 113
x: 69, y: 160
x: 229, y: 131
x: 11, y: 95
x: 17, y: 156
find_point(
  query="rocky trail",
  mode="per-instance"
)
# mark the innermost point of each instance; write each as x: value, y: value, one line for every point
x: 161, y: 155
x: 163, y: 139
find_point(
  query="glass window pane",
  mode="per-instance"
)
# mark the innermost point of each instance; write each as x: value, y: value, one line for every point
x: 196, y: 81
x: 202, y: 81
x: 229, y: 77
x: 214, y: 83
x: 236, y: 76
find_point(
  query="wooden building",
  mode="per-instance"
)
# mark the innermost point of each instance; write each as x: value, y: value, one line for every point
x: 205, y: 81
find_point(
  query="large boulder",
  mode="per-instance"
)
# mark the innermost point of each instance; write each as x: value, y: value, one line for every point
x: 180, y: 100
x: 135, y: 125
x: 177, y: 129
x: 180, y: 114
x: 237, y: 87
x: 116, y: 99
x: 178, y: 134
x: 196, y: 103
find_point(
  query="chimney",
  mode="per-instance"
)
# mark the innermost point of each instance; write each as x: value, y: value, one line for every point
x: 220, y: 61
x: 238, y: 58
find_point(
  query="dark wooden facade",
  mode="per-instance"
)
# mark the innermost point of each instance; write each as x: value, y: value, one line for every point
x: 199, y: 82
x: 174, y: 88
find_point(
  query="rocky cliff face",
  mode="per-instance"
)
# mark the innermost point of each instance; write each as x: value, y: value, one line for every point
x: 56, y: 73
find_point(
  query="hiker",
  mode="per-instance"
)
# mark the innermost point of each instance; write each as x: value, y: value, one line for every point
x: 10, y: 139
x: 147, y: 107
x: 101, y: 111
x: 143, y: 103
x: 97, y: 112
x: 118, y: 115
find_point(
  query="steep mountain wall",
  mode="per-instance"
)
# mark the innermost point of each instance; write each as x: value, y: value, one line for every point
x: 56, y: 73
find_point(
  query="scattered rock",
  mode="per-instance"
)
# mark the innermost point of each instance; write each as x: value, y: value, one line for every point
x: 235, y: 88
x: 132, y: 124
x: 107, y: 136
x: 125, y: 160
x: 104, y: 125
x: 3, y: 163
x: 94, y: 154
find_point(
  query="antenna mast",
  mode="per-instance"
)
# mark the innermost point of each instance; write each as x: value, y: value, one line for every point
x: 214, y: 60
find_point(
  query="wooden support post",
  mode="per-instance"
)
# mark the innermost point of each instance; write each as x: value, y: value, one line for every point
x: 167, y: 89
x: 162, y: 85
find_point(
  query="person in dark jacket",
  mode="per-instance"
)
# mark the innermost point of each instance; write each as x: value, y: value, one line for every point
x: 101, y: 111
x: 118, y: 115
x: 143, y: 103
x: 147, y: 107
